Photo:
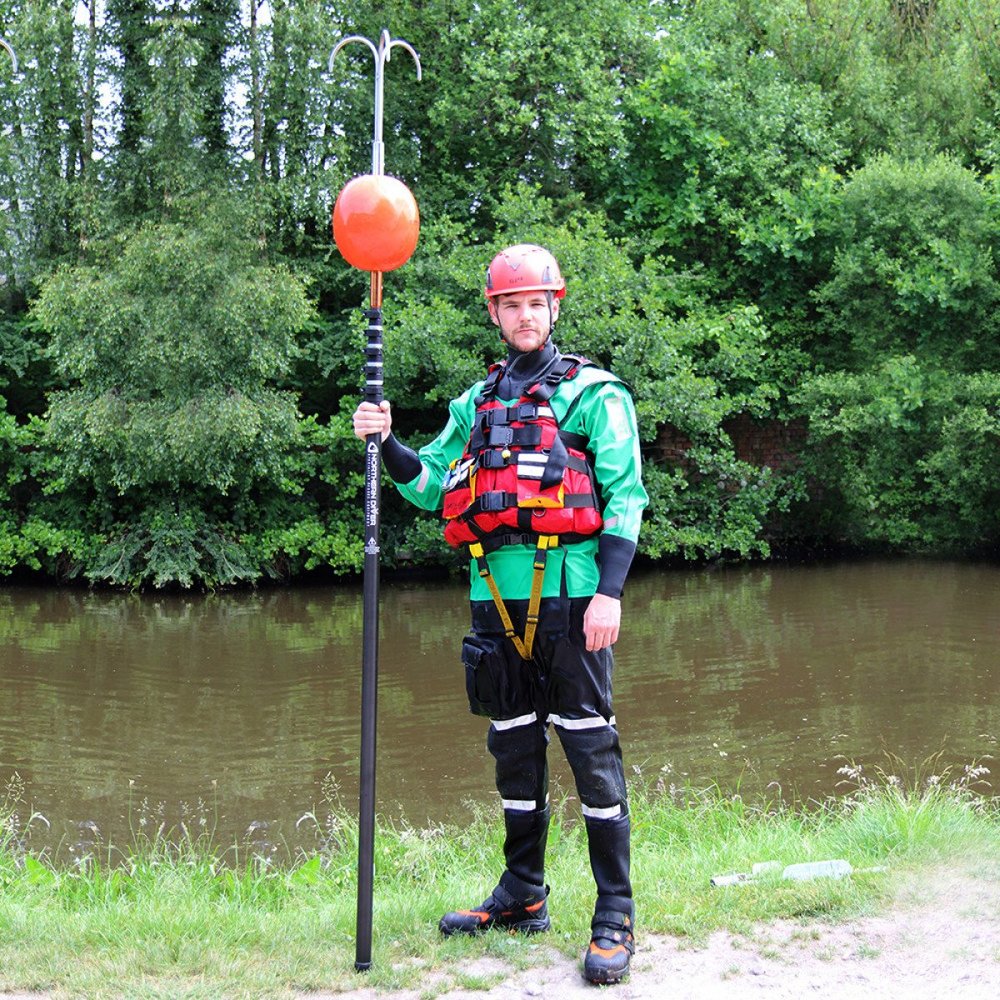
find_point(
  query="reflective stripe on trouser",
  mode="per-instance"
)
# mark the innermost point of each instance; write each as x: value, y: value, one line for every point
x: 522, y: 778
x: 570, y: 688
x: 594, y: 755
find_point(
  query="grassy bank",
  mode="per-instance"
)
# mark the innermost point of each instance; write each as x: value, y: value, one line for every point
x: 166, y: 920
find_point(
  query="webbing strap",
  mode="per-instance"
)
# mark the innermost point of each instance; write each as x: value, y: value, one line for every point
x: 523, y: 647
x: 545, y: 542
x: 497, y: 501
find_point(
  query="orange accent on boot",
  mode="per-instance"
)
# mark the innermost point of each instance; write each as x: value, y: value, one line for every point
x: 479, y: 914
x: 596, y: 949
x: 535, y: 906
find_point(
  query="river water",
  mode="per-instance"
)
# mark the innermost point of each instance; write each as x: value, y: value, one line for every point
x: 238, y: 714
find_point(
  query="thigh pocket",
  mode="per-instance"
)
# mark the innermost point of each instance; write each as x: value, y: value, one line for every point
x: 581, y: 680
x: 485, y: 677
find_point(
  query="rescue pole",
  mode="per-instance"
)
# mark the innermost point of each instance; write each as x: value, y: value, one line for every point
x: 375, y: 227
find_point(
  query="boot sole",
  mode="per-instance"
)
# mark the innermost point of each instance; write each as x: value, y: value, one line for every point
x: 606, y: 978
x: 522, y: 927
x: 527, y: 926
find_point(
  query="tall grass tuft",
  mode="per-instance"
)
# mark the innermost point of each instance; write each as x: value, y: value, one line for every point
x: 930, y: 809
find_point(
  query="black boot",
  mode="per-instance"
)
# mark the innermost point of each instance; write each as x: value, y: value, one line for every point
x: 612, y: 945
x: 513, y: 906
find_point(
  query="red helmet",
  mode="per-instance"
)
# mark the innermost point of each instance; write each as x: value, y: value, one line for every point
x: 524, y: 268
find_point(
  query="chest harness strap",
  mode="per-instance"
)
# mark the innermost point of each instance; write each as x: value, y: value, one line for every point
x: 544, y: 544
x: 540, y: 392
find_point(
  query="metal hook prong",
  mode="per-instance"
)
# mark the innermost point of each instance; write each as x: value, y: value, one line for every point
x: 13, y: 57
x: 347, y: 40
x: 381, y: 56
x: 409, y: 48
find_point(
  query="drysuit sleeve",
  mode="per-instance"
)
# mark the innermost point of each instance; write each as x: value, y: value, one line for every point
x: 607, y: 415
x: 425, y: 487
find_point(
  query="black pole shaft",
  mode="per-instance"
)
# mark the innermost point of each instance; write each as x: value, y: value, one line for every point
x: 369, y: 645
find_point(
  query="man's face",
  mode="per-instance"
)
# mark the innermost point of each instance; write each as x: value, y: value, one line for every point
x: 523, y: 318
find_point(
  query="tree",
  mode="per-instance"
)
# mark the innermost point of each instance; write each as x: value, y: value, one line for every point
x: 512, y: 93
x: 170, y: 343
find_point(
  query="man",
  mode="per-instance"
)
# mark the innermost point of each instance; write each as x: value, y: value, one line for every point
x: 537, y: 471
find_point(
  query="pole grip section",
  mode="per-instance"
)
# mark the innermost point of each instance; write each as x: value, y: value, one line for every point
x: 369, y: 645
x: 373, y: 357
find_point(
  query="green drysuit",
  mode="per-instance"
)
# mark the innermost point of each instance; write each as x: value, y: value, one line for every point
x: 605, y: 415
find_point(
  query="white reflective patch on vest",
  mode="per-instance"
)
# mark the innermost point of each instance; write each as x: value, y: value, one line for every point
x: 522, y: 720
x: 519, y: 805
x: 612, y: 812
x: 425, y: 475
x: 591, y: 722
x: 614, y: 407
x: 530, y: 466
x: 610, y: 522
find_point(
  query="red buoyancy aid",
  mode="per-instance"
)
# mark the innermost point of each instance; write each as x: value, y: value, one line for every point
x: 520, y: 476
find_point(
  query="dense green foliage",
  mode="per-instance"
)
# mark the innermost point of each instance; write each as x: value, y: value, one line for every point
x: 779, y: 211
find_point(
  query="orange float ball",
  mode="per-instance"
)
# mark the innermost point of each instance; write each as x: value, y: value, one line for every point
x: 376, y: 223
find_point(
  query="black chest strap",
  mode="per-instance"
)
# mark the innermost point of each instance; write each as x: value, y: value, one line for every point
x: 565, y: 366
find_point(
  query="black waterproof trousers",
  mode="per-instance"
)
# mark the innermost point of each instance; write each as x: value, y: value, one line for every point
x: 568, y: 688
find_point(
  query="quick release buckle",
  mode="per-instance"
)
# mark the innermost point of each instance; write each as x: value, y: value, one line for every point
x: 492, y: 502
x: 501, y: 436
x: 494, y: 459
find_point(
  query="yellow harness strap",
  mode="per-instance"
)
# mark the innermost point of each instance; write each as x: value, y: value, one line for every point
x: 545, y: 542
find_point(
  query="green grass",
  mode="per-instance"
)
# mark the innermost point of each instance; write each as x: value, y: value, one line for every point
x: 162, y: 920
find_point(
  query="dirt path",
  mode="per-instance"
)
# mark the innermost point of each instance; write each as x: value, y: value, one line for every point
x: 939, y: 941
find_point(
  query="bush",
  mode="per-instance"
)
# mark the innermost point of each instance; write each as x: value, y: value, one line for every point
x: 905, y: 456
x: 915, y: 272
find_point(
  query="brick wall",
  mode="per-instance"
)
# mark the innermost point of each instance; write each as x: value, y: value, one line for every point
x: 772, y: 443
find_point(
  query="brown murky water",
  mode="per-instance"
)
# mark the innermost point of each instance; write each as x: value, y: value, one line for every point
x: 124, y: 712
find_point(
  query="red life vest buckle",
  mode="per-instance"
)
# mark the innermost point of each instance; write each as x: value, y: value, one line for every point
x: 494, y: 501
x: 494, y: 459
x: 500, y: 436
